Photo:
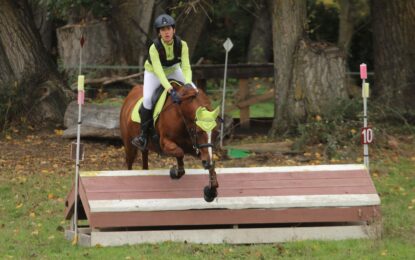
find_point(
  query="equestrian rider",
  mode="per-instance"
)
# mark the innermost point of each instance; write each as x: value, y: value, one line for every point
x: 168, y: 59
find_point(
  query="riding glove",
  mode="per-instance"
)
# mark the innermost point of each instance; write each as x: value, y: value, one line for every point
x: 175, y: 96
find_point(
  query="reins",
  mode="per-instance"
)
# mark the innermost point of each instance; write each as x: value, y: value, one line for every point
x: 192, y: 134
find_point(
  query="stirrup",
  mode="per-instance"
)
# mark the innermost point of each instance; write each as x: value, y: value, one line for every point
x: 140, y: 142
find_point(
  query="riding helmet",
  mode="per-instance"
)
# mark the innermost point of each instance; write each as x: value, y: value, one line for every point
x: 163, y: 21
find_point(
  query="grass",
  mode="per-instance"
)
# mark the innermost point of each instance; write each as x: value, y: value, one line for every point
x: 31, y: 225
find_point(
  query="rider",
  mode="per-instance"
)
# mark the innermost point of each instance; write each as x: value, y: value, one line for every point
x: 168, y: 59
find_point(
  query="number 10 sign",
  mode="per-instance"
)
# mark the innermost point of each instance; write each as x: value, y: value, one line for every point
x: 366, y: 135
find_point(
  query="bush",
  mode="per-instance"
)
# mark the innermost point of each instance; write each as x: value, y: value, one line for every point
x: 338, y: 127
x: 10, y: 103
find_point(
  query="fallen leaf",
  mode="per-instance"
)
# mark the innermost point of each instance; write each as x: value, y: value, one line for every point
x: 19, y: 206
x: 58, y: 132
x: 32, y: 215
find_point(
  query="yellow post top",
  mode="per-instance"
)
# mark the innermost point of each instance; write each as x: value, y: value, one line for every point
x: 365, y: 90
x: 81, y: 82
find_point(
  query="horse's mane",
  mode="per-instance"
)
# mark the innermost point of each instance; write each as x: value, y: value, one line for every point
x: 199, y: 95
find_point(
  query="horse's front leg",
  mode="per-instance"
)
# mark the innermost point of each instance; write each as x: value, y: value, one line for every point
x: 210, y: 192
x: 171, y: 148
x: 213, y: 181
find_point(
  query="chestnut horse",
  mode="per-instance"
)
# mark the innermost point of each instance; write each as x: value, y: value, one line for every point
x: 179, y: 130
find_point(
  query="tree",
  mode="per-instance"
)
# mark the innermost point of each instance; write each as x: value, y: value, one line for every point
x: 353, y: 19
x: 260, y: 43
x: 288, y: 21
x: 133, y: 21
x: 393, y: 36
x: 191, y: 22
x: 309, y: 76
x: 26, y: 65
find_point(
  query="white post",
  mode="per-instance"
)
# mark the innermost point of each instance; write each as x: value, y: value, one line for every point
x: 365, y: 95
x: 81, y: 97
x: 228, y: 46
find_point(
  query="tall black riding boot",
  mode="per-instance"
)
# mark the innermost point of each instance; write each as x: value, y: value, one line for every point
x: 146, y: 123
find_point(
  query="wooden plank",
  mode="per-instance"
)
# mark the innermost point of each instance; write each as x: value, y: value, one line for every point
x: 265, y: 202
x: 227, y: 184
x: 247, y: 185
x: 171, y: 194
x: 232, y: 236
x: 165, y: 183
x: 234, y: 217
x: 244, y: 111
x: 260, y: 170
x: 215, y: 71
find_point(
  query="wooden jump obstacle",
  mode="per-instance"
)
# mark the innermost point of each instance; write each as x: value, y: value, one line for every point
x: 254, y: 205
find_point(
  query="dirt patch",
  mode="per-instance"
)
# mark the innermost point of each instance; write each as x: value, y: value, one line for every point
x: 45, y: 151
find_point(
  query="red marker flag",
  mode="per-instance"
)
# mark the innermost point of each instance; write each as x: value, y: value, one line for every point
x: 363, y: 71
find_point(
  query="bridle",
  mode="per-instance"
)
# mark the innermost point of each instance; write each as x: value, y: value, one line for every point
x: 192, y: 130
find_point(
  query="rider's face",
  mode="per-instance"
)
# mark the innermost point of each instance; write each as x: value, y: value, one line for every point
x: 167, y: 33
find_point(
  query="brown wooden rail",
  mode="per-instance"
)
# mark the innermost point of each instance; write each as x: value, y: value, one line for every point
x: 243, y: 72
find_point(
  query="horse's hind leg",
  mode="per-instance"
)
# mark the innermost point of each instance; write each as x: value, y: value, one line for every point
x: 177, y: 172
x: 130, y: 155
x: 144, y: 159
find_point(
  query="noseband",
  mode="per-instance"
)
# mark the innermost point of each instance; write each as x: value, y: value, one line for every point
x: 193, y: 137
x: 192, y: 131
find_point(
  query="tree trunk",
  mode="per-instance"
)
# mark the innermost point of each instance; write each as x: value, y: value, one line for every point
x: 394, y: 45
x: 350, y: 14
x: 100, y: 47
x: 43, y: 23
x: 6, y: 72
x: 346, y: 25
x: 133, y: 22
x: 43, y: 95
x: 260, y: 43
x: 318, y: 80
x: 191, y: 23
x: 309, y: 77
x: 288, y: 22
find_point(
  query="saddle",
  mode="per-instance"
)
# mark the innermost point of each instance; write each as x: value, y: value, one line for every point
x: 158, y: 100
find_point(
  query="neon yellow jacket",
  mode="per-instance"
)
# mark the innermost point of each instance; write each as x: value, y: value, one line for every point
x: 161, y: 71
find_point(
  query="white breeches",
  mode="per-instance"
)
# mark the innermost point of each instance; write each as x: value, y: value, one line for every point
x: 152, y: 82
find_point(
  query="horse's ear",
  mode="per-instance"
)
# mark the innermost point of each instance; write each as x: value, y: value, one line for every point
x: 216, y: 112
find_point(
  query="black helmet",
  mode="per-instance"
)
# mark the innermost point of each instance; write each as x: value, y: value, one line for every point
x: 163, y: 21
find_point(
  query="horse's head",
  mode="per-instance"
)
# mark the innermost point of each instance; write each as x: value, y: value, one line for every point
x: 201, y: 123
x: 206, y: 124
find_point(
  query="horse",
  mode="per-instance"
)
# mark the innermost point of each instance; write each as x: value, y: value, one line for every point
x: 188, y: 127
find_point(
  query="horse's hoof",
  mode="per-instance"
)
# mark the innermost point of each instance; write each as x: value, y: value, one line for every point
x: 210, y: 193
x: 176, y: 173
